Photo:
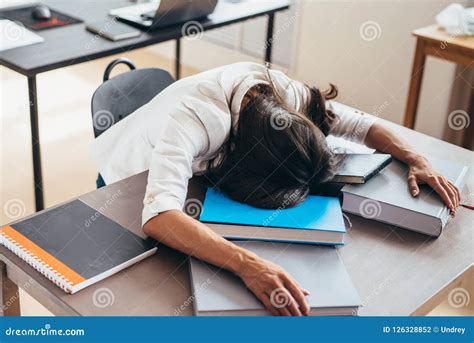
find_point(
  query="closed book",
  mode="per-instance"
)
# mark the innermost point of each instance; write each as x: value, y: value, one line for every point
x: 387, y: 198
x: 318, y: 269
x: 317, y: 220
x: 74, y: 245
x: 359, y: 168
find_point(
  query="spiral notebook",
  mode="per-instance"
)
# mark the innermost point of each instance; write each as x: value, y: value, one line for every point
x: 74, y: 245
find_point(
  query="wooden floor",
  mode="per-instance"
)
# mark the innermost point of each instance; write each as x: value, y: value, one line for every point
x: 66, y: 131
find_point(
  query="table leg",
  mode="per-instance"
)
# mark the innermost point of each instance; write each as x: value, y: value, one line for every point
x: 469, y: 131
x: 35, y: 144
x: 415, y: 85
x: 177, y: 67
x: 9, y: 294
x: 269, y: 39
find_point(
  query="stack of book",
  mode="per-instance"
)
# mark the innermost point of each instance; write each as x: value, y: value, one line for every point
x: 375, y: 188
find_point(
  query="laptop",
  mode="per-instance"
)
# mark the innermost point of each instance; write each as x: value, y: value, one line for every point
x: 156, y: 14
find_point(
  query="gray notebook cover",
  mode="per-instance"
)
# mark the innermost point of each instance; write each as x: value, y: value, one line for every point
x: 316, y: 268
x: 390, y: 186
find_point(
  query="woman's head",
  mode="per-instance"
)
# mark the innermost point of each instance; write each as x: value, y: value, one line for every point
x: 276, y: 155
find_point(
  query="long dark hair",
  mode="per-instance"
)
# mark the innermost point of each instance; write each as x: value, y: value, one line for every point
x: 276, y: 154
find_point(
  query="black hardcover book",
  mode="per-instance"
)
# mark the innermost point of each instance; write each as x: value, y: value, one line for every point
x: 359, y: 168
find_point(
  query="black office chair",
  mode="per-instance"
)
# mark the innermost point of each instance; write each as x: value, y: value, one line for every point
x: 123, y: 94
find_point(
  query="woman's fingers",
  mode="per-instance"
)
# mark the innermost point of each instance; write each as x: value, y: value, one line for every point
x: 280, y: 302
x: 268, y: 304
x: 457, y: 191
x: 283, y: 299
x: 297, y: 294
x: 294, y: 308
x: 284, y: 312
x: 434, y: 183
x: 452, y: 193
x: 413, y: 185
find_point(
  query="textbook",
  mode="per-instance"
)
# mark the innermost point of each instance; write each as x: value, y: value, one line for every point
x: 318, y: 220
x: 218, y: 292
x: 74, y: 245
x: 387, y: 198
x: 359, y: 168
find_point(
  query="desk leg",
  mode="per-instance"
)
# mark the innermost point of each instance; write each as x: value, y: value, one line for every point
x: 269, y: 39
x: 415, y: 85
x: 469, y: 131
x: 35, y: 144
x: 9, y: 294
x: 177, y: 67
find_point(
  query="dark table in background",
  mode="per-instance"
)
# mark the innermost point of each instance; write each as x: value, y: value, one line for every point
x: 69, y: 45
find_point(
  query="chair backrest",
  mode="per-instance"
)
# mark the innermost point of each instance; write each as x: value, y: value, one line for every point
x: 123, y: 94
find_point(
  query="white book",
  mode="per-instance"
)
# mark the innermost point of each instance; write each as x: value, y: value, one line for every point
x: 318, y: 269
x: 14, y: 35
x: 387, y: 198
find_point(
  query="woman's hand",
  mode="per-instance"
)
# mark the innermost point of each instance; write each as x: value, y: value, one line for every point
x: 269, y: 282
x: 420, y: 171
x: 280, y: 294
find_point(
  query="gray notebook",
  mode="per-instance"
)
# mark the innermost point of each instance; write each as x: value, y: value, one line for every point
x: 319, y: 269
x: 386, y: 198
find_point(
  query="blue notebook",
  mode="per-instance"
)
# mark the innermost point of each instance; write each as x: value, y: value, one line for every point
x: 317, y: 220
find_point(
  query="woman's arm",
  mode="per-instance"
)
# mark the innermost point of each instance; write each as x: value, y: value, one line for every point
x: 181, y: 232
x: 419, y: 169
x: 168, y: 176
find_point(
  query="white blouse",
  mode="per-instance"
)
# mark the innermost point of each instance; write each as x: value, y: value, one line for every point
x: 183, y: 127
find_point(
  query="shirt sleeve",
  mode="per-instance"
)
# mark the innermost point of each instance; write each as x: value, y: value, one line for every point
x: 171, y: 165
x: 349, y: 123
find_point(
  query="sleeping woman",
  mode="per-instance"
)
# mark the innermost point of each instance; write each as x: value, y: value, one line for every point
x: 258, y: 136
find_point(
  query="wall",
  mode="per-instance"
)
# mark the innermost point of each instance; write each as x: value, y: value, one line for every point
x: 364, y: 47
